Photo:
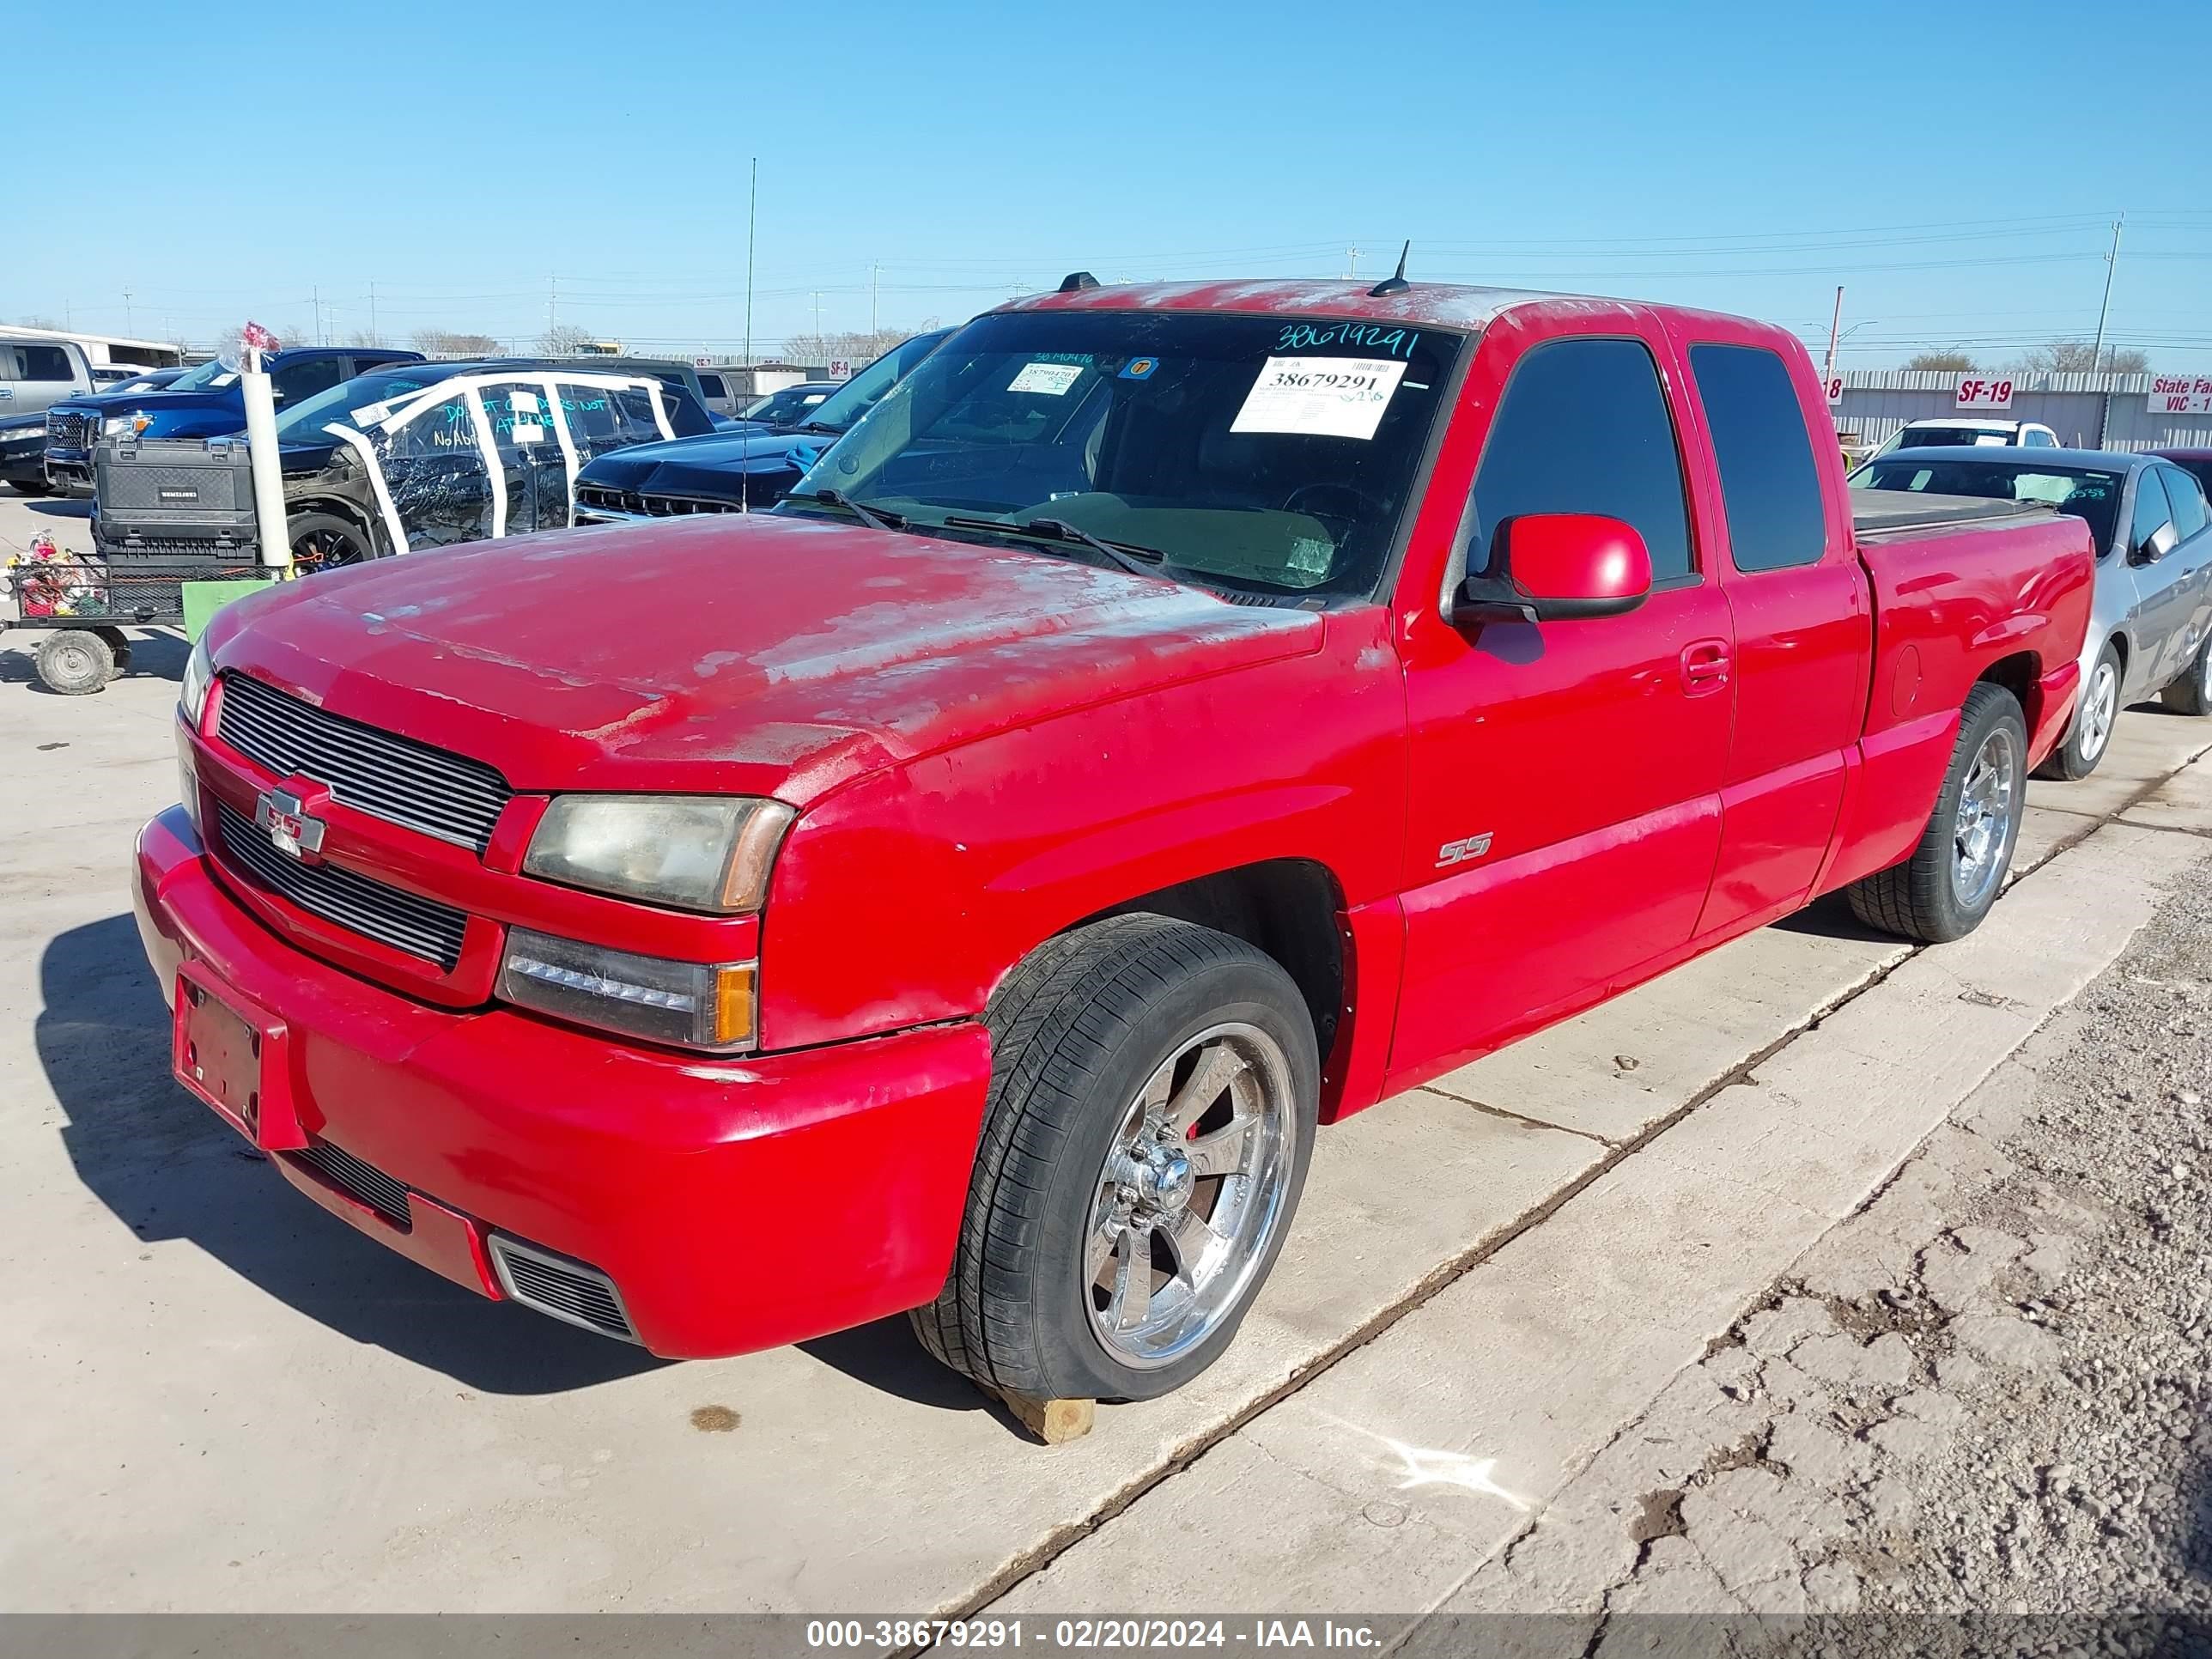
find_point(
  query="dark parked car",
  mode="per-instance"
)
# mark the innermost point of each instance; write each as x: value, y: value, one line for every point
x: 206, y: 402
x: 142, y: 379
x: 791, y: 405
x: 727, y: 470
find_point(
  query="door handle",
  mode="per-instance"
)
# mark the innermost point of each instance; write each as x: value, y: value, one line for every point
x: 1705, y: 664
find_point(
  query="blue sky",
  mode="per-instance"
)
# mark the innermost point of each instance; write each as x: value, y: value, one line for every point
x: 1956, y: 167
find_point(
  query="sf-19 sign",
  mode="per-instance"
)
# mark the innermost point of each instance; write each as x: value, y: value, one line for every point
x: 2181, y: 394
x: 1982, y: 394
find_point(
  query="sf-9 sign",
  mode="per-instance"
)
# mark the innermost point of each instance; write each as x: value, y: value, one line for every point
x: 1982, y: 394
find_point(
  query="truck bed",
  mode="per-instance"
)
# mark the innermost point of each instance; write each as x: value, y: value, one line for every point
x: 1876, y: 512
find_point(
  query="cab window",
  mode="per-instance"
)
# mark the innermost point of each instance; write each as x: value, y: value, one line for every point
x: 1583, y: 428
x: 1769, y: 484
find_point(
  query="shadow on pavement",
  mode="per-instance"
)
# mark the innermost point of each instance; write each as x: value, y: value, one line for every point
x: 888, y: 1356
x: 169, y: 1171
x: 1831, y: 917
x: 60, y: 506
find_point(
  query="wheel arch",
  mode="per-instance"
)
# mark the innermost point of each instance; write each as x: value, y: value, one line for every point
x: 1291, y: 908
x: 2022, y: 674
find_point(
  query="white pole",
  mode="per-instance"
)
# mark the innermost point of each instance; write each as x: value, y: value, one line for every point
x: 2111, y: 265
x: 268, y: 472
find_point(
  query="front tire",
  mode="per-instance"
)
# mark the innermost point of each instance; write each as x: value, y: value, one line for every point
x: 2090, y: 733
x: 1155, y: 1087
x: 323, y: 541
x: 2192, y: 693
x: 1945, y: 888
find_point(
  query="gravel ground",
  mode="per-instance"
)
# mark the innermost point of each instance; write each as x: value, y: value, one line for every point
x: 1987, y: 1394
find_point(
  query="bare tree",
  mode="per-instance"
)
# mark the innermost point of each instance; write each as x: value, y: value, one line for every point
x: 2080, y: 357
x: 39, y: 322
x: 1952, y: 361
x: 449, y: 343
x: 563, y: 340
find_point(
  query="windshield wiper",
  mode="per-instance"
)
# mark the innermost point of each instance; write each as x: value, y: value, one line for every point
x: 1139, y: 561
x: 871, y: 517
x: 819, y: 426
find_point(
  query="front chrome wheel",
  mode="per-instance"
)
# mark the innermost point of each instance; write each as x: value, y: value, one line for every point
x: 1191, y: 1195
x: 2100, y: 708
x: 1982, y: 831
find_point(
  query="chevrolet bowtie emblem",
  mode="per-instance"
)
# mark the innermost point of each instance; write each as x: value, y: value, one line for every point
x: 291, y: 829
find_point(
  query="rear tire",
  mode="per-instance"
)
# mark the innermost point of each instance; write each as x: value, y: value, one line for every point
x: 1955, y: 874
x: 2090, y: 732
x: 2192, y: 693
x: 1129, y: 1059
x: 75, y: 661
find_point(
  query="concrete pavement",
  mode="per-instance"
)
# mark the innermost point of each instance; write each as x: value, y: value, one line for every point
x: 1486, y: 1277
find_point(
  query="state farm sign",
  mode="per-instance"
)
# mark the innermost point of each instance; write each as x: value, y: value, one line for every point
x: 1982, y: 394
x: 2181, y: 394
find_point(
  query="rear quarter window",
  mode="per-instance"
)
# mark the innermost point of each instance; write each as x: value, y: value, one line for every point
x: 1769, y: 482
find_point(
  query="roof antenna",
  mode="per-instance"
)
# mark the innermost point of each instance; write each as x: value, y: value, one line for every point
x: 1076, y: 280
x: 1396, y: 282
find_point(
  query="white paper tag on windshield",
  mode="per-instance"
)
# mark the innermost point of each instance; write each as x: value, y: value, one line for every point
x: 529, y: 432
x: 525, y: 403
x: 1051, y: 378
x: 1320, y: 396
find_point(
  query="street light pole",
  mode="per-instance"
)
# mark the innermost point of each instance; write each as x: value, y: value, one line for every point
x: 1835, y: 323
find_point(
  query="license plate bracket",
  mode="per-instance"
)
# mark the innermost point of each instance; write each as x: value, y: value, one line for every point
x: 236, y: 1057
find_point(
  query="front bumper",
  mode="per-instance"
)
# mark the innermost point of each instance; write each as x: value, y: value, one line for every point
x: 24, y: 457
x: 69, y: 469
x: 734, y: 1205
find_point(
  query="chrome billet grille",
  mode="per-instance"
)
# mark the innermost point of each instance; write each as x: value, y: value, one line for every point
x: 567, y: 1289
x: 364, y: 1181
x: 69, y: 431
x: 405, y: 921
x: 396, y: 779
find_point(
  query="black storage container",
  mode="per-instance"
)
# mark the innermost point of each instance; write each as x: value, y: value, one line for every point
x: 183, y: 497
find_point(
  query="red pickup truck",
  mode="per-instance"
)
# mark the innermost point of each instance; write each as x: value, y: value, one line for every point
x: 1176, y: 717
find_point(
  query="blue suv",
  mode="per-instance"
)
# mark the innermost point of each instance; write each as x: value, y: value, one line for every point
x: 207, y: 403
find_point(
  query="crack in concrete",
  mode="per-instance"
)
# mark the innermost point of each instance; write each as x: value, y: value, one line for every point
x: 1034, y: 1560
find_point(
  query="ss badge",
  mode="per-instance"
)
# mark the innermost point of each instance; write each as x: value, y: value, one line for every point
x: 1459, y: 852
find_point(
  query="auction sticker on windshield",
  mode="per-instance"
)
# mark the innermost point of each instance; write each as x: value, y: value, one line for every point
x: 1320, y: 397
x: 1051, y: 378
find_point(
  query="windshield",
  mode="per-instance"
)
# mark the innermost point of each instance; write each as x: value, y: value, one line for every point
x: 2090, y: 496
x: 845, y: 406
x: 1270, y: 452
x: 210, y: 376
x: 303, y: 422
x: 792, y: 404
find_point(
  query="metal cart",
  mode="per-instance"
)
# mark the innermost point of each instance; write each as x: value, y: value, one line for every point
x: 82, y: 604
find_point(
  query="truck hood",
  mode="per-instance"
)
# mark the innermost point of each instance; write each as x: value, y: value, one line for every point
x: 153, y: 403
x: 709, y: 465
x: 756, y: 655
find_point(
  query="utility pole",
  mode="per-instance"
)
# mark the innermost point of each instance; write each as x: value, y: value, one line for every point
x: 552, y: 308
x: 126, y: 310
x: 875, y: 270
x: 375, y: 338
x: 752, y: 218
x: 1351, y: 264
x: 1834, y: 323
x: 2111, y: 264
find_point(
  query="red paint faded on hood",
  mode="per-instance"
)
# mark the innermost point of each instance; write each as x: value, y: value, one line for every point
x: 761, y: 654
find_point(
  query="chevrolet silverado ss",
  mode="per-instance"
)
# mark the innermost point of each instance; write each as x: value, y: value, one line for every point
x: 1173, y: 719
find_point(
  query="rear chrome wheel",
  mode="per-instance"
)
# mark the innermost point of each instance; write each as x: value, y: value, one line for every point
x: 1982, y: 827
x: 1191, y: 1195
x: 2100, y: 710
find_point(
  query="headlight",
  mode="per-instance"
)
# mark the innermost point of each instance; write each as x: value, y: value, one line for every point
x: 695, y: 1004
x: 199, y: 674
x: 125, y: 426
x: 694, y: 852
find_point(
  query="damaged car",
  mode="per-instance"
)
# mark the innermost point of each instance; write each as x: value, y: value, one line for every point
x: 425, y: 455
